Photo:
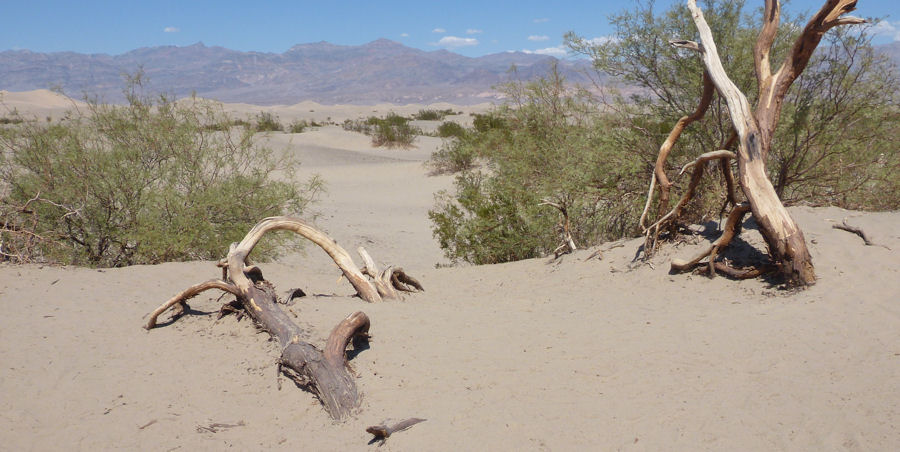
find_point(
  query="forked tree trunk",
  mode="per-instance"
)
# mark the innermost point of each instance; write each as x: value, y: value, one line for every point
x: 784, y: 238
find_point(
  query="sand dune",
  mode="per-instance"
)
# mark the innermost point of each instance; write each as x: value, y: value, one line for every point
x: 38, y: 103
x: 603, y: 354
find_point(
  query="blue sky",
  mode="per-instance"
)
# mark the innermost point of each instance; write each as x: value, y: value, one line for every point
x: 471, y: 28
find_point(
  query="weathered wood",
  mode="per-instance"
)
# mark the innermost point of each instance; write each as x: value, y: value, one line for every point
x: 568, y: 245
x: 363, y: 287
x: 187, y: 294
x: 383, y: 431
x: 659, y: 170
x: 325, y: 373
x: 731, y: 224
x: 858, y: 231
x: 381, y: 280
x: 698, y: 165
x: 784, y: 238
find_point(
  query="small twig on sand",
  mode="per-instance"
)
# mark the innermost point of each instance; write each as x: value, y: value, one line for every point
x: 216, y: 427
x: 147, y: 424
x: 858, y: 231
x: 382, y: 432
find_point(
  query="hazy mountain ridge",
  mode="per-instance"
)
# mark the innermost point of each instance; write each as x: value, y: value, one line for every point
x: 380, y: 71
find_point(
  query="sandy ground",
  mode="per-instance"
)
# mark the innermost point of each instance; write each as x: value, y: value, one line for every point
x: 577, y: 354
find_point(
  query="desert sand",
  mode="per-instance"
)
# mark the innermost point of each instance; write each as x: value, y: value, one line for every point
x: 571, y: 354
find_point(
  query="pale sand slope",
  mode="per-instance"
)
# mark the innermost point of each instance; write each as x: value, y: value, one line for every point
x: 575, y: 355
x: 39, y: 103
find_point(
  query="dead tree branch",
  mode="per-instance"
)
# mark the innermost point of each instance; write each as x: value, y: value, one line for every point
x: 323, y: 372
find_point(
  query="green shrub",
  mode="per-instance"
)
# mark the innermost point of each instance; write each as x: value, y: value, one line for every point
x: 552, y: 147
x: 450, y: 129
x: 299, y: 126
x: 11, y: 120
x: 487, y: 121
x: 268, y: 122
x: 391, y: 131
x: 139, y: 184
x: 432, y: 115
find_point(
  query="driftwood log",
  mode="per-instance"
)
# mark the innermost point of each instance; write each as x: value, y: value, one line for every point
x: 754, y: 129
x: 323, y: 372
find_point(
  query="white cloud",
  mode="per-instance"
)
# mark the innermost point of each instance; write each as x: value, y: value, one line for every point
x: 886, y: 28
x: 536, y: 38
x: 541, y: 20
x: 439, y: 30
x: 404, y: 35
x: 473, y: 31
x: 558, y: 51
x: 171, y: 30
x: 453, y: 41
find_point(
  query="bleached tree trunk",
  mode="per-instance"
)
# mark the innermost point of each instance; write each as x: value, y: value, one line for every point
x: 784, y: 238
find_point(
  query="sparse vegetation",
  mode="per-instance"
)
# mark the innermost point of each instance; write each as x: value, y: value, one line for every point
x: 547, y: 169
x: 148, y: 182
x: 11, y: 120
x: 432, y: 115
x: 268, y: 122
x: 450, y: 129
x: 390, y: 131
x: 298, y: 126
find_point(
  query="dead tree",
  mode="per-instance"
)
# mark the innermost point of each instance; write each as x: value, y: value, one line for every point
x: 324, y: 372
x: 754, y: 129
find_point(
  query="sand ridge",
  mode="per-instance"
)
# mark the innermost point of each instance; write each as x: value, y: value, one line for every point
x: 603, y: 354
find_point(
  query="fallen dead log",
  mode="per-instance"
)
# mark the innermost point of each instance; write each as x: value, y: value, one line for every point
x: 324, y: 372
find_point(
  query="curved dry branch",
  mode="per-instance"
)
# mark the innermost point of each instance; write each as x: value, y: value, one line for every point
x: 356, y: 325
x: 189, y: 293
x: 239, y: 253
x: 698, y: 165
x: 721, y: 154
x: 659, y: 171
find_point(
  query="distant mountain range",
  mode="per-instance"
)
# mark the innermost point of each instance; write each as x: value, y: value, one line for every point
x: 380, y: 71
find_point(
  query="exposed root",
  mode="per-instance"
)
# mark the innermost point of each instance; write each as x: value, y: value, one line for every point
x: 737, y: 273
x: 734, y: 220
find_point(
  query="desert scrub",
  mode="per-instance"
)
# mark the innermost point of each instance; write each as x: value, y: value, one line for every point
x: 144, y: 183
x: 268, y: 122
x: 432, y: 115
x: 390, y: 131
x: 548, y: 145
x: 450, y: 129
x: 300, y: 126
